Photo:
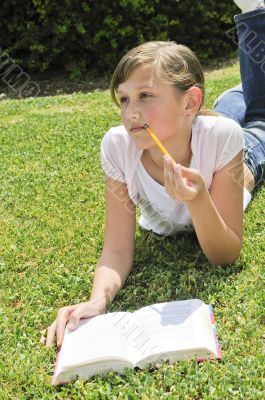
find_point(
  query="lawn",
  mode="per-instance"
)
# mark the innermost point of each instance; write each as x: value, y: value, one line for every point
x: 51, y: 235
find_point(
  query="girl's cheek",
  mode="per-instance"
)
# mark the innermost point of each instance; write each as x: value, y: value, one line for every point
x: 122, y: 115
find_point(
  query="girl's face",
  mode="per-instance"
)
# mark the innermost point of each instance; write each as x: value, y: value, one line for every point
x: 145, y: 99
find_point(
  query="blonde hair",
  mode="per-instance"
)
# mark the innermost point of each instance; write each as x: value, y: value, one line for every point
x: 173, y: 63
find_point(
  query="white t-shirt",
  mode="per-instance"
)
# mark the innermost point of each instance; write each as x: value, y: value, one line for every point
x: 215, y: 141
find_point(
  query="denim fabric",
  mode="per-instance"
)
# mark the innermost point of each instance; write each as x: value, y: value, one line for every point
x: 232, y: 96
x: 246, y: 103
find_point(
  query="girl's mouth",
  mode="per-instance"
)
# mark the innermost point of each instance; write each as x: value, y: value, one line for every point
x: 136, y: 128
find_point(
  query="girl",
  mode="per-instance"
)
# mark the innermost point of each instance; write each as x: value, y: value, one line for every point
x: 161, y: 84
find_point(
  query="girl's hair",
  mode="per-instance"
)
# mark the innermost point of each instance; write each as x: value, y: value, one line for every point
x: 173, y: 63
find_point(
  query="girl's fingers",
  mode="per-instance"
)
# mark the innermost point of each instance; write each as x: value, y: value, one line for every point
x: 165, y: 167
x: 168, y: 171
x: 169, y: 179
x: 50, y: 334
x: 77, y: 314
x: 43, y: 336
x: 62, y: 319
x: 178, y: 178
x: 190, y: 173
x: 180, y: 182
x: 71, y: 315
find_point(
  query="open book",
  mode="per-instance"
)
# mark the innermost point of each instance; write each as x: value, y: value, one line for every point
x: 159, y: 332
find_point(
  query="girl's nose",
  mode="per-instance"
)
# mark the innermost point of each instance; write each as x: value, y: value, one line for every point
x: 132, y: 110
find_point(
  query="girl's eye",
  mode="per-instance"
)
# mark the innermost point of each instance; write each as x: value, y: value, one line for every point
x: 145, y: 95
x: 123, y: 99
x: 142, y: 96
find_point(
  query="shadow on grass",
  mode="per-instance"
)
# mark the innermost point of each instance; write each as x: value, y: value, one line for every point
x: 172, y: 268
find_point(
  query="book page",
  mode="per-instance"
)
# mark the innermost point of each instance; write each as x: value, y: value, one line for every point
x: 203, y: 323
x: 96, y: 339
x: 137, y: 336
x: 175, y: 326
x: 88, y: 370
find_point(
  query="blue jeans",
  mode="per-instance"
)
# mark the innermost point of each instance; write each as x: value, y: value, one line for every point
x: 246, y: 103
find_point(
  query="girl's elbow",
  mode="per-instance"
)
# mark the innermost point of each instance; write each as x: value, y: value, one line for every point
x: 224, y: 260
x: 228, y: 255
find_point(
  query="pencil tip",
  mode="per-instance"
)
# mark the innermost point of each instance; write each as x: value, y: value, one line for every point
x: 145, y: 126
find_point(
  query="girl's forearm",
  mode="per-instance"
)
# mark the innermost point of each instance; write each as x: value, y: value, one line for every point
x: 111, y: 272
x: 220, y: 244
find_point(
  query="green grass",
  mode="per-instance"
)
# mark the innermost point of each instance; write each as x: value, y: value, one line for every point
x: 51, y: 233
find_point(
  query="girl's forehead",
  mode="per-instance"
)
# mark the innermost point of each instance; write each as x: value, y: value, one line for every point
x: 140, y: 77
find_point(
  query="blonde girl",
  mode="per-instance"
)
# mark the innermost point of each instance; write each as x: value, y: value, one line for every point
x: 204, y: 191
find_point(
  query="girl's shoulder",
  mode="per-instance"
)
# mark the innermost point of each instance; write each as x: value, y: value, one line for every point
x: 217, y: 129
x: 119, y: 155
x: 117, y: 141
x: 216, y: 140
x: 117, y: 133
x: 216, y: 125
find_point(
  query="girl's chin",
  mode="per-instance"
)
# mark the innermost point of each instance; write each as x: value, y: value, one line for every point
x: 142, y: 144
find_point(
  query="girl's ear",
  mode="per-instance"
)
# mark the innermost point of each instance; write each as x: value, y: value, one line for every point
x: 193, y: 101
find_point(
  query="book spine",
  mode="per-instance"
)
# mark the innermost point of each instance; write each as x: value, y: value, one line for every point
x: 218, y: 350
x: 55, y: 370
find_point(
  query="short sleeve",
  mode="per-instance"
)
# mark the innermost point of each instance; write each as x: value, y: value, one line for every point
x: 230, y: 141
x: 112, y: 156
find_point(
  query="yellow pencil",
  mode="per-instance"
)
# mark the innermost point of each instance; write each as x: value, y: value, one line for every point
x: 159, y: 144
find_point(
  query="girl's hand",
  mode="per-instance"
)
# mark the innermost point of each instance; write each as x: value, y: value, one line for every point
x: 70, y: 315
x: 181, y: 183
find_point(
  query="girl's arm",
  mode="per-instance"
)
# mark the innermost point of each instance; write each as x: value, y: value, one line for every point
x: 113, y: 266
x: 116, y: 260
x: 217, y: 215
